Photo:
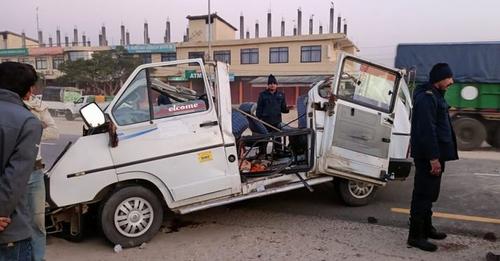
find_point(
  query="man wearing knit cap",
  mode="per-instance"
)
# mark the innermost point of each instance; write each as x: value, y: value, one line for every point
x: 433, y: 143
x: 271, y: 104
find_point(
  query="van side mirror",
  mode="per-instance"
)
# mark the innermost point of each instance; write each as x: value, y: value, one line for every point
x: 92, y: 115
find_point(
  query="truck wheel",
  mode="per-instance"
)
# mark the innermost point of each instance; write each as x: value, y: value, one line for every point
x: 69, y: 115
x: 131, y: 216
x: 355, y: 193
x: 470, y: 133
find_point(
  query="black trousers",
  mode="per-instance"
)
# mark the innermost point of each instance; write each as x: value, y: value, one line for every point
x: 426, y: 188
x: 276, y: 147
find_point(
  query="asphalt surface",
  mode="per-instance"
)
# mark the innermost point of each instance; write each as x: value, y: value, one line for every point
x: 470, y: 188
x: 300, y: 225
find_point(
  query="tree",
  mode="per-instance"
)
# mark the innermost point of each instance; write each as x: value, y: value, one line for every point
x: 106, y: 71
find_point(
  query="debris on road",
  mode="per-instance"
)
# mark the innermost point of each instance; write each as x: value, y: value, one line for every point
x: 490, y: 236
x: 118, y: 248
x: 372, y: 220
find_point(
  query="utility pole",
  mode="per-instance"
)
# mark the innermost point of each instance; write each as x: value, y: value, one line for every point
x: 209, y: 33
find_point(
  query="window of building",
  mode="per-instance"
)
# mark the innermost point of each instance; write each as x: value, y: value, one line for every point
x: 223, y: 56
x: 310, y: 54
x: 278, y: 55
x: 146, y: 58
x: 167, y: 57
x: 250, y: 56
x: 57, y: 61
x: 41, y: 63
x: 74, y: 56
x: 194, y: 55
x: 25, y: 60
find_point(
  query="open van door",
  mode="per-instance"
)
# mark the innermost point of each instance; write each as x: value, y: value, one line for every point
x: 358, y: 133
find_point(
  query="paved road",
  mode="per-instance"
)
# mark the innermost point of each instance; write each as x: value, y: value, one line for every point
x: 471, y: 187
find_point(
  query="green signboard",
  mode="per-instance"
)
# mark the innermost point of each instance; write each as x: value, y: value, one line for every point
x: 14, y: 52
x: 177, y: 79
x: 193, y: 74
x: 151, y: 48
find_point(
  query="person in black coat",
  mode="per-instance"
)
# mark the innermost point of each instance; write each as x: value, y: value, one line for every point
x: 433, y: 143
x: 271, y: 104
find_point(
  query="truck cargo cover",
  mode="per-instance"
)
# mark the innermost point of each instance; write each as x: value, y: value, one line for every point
x: 470, y: 62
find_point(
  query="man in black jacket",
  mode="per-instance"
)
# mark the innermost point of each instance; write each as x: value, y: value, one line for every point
x: 433, y: 143
x: 20, y: 133
x: 271, y: 104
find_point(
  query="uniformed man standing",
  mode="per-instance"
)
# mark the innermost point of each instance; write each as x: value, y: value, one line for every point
x: 433, y: 143
x: 271, y: 104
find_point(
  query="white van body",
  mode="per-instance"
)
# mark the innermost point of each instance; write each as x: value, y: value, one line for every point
x: 184, y: 156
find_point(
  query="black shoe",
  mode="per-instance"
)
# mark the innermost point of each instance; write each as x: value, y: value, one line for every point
x: 492, y: 257
x: 422, y: 244
x: 417, y: 238
x: 430, y: 231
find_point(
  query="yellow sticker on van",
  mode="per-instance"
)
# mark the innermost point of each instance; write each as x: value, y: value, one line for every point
x: 205, y: 156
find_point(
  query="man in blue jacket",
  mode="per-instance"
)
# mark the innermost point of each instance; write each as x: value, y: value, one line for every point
x: 433, y: 143
x: 20, y: 133
x: 271, y: 104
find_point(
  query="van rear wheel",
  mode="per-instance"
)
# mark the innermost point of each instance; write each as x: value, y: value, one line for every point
x: 131, y: 216
x: 355, y: 193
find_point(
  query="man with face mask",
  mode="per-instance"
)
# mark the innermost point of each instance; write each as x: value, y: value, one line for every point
x: 433, y: 143
x: 20, y: 133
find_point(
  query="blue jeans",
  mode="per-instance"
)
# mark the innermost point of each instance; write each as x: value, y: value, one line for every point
x: 17, y: 251
x: 36, y: 204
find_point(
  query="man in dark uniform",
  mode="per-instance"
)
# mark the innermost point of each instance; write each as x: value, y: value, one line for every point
x: 271, y: 104
x: 433, y: 143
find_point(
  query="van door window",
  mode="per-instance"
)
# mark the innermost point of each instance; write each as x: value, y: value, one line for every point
x: 367, y: 85
x: 133, y: 105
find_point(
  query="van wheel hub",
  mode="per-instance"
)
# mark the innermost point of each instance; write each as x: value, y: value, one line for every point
x: 360, y: 189
x: 133, y: 217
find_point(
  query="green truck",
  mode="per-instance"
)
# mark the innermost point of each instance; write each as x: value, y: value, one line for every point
x: 474, y: 99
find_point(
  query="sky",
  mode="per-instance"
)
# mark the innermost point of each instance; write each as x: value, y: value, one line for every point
x: 376, y: 27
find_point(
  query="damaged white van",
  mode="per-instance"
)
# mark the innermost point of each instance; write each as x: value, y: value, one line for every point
x: 169, y: 141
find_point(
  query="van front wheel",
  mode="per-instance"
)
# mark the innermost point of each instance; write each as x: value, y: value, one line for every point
x: 131, y: 216
x: 355, y: 193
